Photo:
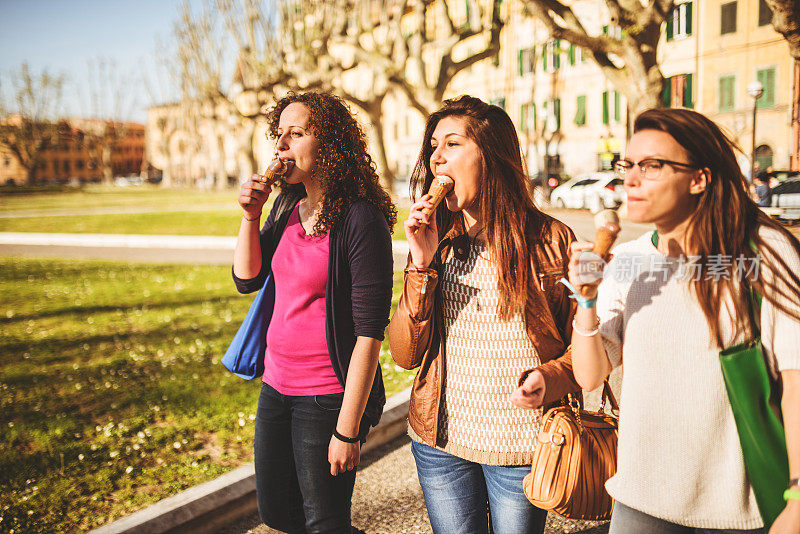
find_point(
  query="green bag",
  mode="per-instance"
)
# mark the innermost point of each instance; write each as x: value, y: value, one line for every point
x: 755, y: 400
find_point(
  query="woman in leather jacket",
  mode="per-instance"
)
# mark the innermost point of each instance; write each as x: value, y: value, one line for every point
x: 483, y: 318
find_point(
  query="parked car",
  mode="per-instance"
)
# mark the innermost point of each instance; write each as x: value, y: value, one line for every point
x: 787, y: 196
x: 594, y: 191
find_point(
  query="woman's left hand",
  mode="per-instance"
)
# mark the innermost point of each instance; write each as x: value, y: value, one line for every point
x: 788, y: 521
x: 530, y: 394
x: 343, y: 456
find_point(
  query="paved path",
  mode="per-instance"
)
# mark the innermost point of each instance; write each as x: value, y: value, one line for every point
x: 210, y: 250
x: 388, y: 500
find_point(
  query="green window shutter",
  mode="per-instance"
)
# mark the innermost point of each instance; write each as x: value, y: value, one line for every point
x: 689, y: 18
x: 557, y: 54
x: 468, y: 5
x: 666, y: 96
x: 605, y: 29
x: 571, y: 54
x: 557, y: 111
x: 767, y: 79
x: 688, y: 101
x: 670, y: 26
x: 727, y: 85
x: 519, y: 61
x: 617, y: 114
x: 580, y: 112
x: 605, y: 107
x: 544, y: 58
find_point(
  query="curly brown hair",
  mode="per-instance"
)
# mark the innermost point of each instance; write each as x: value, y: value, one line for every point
x: 344, y: 167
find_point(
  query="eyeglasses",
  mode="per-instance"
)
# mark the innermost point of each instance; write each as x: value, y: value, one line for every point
x: 649, y: 168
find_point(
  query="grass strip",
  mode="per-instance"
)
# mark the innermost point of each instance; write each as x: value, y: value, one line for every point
x: 112, y: 392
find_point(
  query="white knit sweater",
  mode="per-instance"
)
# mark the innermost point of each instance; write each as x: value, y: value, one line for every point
x: 679, y: 457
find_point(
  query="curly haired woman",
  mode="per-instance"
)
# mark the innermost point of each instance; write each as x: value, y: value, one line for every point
x: 327, y: 245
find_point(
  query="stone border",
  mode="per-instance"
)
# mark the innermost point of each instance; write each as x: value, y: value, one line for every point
x: 214, y: 504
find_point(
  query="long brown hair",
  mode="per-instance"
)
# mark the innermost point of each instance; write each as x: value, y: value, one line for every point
x: 724, y: 223
x: 344, y: 166
x: 511, y: 219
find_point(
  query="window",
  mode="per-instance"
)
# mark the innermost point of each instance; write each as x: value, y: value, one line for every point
x: 527, y: 60
x: 679, y: 24
x: 571, y: 54
x: 552, y: 113
x: 500, y: 102
x: 764, y: 13
x: 767, y: 79
x: 728, y: 18
x: 726, y: 100
x: 580, y: 111
x: 617, y: 107
x: 551, y: 55
x: 678, y: 91
x: 527, y: 113
x: 605, y: 107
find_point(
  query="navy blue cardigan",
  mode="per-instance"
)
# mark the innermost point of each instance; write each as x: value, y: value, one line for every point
x: 358, y: 293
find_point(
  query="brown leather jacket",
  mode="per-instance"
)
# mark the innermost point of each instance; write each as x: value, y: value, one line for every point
x: 415, y: 336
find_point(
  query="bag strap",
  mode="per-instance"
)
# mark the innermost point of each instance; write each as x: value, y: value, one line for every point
x: 754, y: 298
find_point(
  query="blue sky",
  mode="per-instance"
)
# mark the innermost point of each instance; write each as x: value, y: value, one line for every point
x: 66, y: 35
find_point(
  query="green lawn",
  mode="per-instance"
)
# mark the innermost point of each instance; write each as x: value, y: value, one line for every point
x: 96, y: 196
x: 183, y: 218
x: 112, y: 392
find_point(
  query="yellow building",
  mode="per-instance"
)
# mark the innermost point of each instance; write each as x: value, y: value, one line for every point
x: 738, y: 46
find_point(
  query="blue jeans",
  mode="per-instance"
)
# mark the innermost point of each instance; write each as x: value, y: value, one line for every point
x: 295, y: 489
x: 626, y: 520
x: 457, y: 492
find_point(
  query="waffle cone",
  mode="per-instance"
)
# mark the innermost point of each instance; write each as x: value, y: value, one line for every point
x: 439, y: 188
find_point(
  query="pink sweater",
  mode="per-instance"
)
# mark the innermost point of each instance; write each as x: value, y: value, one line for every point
x: 297, y: 360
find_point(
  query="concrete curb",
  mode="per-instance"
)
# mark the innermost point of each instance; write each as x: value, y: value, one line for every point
x: 214, y: 504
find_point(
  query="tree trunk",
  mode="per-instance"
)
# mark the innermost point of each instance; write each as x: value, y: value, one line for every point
x: 221, y: 180
x: 108, y: 169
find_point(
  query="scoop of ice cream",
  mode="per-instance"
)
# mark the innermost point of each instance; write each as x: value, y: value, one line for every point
x: 274, y: 171
x: 439, y: 188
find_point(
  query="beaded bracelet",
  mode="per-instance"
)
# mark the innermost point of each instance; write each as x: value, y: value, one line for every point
x: 581, y: 332
x: 583, y: 302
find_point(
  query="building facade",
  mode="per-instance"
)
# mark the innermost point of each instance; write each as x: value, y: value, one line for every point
x: 78, y: 153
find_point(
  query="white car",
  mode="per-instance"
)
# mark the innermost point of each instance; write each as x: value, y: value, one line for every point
x: 594, y: 191
x: 787, y: 196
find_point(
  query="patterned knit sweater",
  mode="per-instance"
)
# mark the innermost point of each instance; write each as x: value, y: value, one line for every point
x: 483, y: 361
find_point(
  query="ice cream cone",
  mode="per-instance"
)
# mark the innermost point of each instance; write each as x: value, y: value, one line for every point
x: 274, y: 172
x: 439, y: 188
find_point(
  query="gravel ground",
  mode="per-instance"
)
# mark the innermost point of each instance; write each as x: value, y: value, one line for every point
x: 388, y: 500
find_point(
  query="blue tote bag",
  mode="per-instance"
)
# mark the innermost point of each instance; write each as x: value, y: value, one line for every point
x: 245, y: 355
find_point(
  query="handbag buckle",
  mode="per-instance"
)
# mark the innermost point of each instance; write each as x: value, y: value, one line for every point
x: 557, y: 439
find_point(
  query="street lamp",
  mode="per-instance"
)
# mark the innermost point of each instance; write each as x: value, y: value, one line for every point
x: 755, y: 90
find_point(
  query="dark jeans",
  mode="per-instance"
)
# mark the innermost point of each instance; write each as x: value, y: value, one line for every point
x: 626, y: 520
x: 296, y: 492
x: 457, y: 492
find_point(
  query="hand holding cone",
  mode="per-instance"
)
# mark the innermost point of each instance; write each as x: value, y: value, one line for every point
x: 607, y: 224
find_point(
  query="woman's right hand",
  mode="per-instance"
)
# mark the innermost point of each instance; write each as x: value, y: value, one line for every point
x: 585, y: 268
x: 421, y: 233
x: 253, y: 194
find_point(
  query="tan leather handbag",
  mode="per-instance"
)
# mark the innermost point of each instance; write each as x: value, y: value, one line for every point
x: 576, y: 452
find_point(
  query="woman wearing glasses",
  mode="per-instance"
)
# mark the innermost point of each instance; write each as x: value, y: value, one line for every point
x: 668, y: 302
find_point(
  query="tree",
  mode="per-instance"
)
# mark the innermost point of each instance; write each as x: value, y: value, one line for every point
x: 786, y: 21
x: 626, y: 51
x: 109, y: 102
x: 32, y: 125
